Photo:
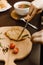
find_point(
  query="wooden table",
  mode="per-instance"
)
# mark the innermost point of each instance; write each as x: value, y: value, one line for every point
x: 6, y: 20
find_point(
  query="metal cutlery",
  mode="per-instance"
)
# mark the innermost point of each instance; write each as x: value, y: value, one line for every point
x: 26, y: 36
x: 22, y: 31
x: 27, y: 23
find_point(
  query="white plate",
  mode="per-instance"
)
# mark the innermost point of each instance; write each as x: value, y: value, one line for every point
x: 8, y: 6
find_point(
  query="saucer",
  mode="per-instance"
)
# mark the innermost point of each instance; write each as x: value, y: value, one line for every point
x: 15, y: 16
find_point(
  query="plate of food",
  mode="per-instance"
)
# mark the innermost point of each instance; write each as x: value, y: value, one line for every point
x: 4, y: 5
x: 10, y: 49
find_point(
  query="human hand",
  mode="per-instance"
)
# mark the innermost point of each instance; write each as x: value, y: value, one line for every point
x: 32, y: 12
x: 38, y: 36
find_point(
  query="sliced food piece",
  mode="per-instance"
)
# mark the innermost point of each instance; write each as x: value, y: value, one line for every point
x: 13, y: 33
x: 3, y: 4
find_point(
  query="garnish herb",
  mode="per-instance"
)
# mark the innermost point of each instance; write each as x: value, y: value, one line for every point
x: 5, y: 50
x: 0, y: 44
x: 1, y: 38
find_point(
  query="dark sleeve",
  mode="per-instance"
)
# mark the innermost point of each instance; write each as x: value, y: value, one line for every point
x: 42, y: 20
x: 41, y: 52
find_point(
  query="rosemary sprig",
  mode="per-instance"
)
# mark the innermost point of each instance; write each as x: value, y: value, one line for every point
x: 0, y: 44
x: 1, y: 38
x: 25, y: 35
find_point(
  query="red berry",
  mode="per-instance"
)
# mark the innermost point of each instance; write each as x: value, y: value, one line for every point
x: 12, y: 46
x: 16, y: 50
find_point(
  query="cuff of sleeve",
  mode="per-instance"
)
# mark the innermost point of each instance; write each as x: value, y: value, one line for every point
x: 35, y: 3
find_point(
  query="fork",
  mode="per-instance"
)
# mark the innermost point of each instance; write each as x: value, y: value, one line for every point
x: 25, y: 27
x: 29, y: 23
x: 22, y: 30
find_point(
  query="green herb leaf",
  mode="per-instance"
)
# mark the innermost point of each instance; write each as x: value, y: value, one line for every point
x: 0, y: 44
x: 5, y: 50
x: 25, y: 35
x: 1, y: 38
